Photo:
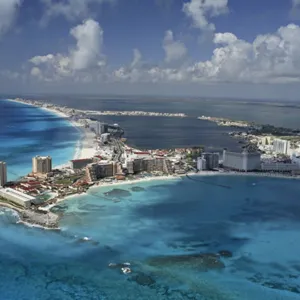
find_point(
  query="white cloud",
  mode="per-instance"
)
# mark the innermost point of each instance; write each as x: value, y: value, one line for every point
x: 89, y: 36
x: 8, y: 11
x: 137, y: 56
x: 271, y: 58
x: 201, y: 10
x: 132, y: 73
x: 174, y: 50
x: 86, y: 56
x: 295, y: 10
x: 225, y: 38
x: 70, y: 9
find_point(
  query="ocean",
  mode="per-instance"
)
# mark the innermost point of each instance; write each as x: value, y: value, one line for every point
x: 212, y: 238
x: 26, y: 131
x: 171, y: 233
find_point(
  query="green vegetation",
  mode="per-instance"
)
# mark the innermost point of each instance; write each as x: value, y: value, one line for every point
x: 68, y: 180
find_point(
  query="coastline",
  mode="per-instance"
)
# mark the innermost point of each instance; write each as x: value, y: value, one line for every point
x: 173, y: 177
x: 83, y: 148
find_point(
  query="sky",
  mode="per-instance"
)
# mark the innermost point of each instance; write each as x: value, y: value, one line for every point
x: 215, y: 48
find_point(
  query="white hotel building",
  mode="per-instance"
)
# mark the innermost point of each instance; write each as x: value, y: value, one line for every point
x: 17, y: 197
x: 244, y: 161
x: 281, y: 146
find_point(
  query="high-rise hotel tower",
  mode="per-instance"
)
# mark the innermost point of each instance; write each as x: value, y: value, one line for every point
x: 3, y: 173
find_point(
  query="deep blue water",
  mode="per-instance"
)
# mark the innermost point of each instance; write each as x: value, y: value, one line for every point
x: 257, y: 220
x: 160, y: 133
x: 149, y: 133
x: 26, y: 131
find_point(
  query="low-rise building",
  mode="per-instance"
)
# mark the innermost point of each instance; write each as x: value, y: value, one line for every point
x: 17, y: 197
x: 296, y: 159
x: 77, y: 164
x: 244, y: 161
x: 279, y: 167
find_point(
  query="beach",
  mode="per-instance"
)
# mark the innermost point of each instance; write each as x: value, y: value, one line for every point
x: 85, y: 147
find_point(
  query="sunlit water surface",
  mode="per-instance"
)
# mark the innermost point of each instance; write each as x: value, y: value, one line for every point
x: 170, y: 232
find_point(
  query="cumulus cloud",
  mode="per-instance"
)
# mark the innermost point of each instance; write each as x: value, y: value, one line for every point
x: 133, y: 72
x: 174, y: 50
x: 89, y: 36
x: 137, y: 56
x: 85, y: 56
x: 270, y: 58
x: 8, y: 11
x: 70, y: 9
x: 201, y: 10
x: 295, y: 10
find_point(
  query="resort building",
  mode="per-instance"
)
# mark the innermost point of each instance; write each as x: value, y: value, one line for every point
x: 97, y: 171
x: 279, y: 167
x: 296, y: 159
x: 244, y: 161
x: 17, y: 197
x: 281, y: 146
x: 3, y: 173
x: 77, y: 164
x: 41, y: 164
x: 212, y: 160
x: 201, y: 164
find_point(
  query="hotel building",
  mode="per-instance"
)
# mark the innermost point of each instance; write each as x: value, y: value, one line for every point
x: 17, y: 197
x: 41, y: 164
x: 201, y: 164
x: 3, y: 173
x: 244, y: 161
x: 281, y: 146
x: 212, y: 160
x: 97, y: 171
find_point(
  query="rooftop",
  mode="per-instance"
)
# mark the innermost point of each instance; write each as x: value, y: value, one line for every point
x: 81, y: 159
x: 21, y: 196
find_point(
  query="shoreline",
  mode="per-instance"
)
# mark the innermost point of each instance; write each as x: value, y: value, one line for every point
x: 32, y: 218
x: 173, y: 177
x: 82, y: 145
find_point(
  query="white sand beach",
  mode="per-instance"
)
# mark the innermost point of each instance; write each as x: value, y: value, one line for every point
x: 86, y: 146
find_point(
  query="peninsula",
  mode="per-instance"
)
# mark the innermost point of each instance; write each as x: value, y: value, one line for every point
x: 103, y: 158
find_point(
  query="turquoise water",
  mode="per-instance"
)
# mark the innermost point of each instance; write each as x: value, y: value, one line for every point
x: 171, y: 232
x: 26, y: 131
x: 160, y: 229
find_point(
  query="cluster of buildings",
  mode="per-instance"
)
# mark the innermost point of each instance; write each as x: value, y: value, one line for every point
x: 41, y: 167
x: 208, y: 161
x: 246, y: 161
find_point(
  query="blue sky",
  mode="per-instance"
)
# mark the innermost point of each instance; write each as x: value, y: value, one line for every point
x: 191, y: 47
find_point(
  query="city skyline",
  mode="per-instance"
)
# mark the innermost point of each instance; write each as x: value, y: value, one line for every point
x: 200, y: 48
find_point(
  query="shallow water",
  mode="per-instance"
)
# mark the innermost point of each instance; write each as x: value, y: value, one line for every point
x: 27, y: 131
x: 258, y: 224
